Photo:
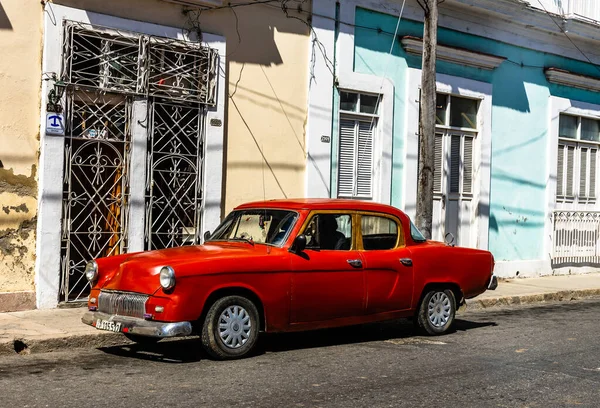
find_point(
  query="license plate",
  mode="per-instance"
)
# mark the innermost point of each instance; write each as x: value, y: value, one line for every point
x: 108, y: 325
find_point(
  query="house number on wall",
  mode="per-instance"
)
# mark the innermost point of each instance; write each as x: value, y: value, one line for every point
x: 215, y: 122
x: 325, y: 139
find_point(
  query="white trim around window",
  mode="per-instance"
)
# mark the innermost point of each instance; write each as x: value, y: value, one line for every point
x: 383, y: 132
x: 465, y: 88
x: 563, y: 106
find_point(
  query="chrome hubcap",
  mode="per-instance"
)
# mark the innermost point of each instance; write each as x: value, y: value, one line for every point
x: 439, y: 309
x: 235, y: 326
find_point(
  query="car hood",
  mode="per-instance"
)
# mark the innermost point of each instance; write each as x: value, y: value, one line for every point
x: 139, y: 272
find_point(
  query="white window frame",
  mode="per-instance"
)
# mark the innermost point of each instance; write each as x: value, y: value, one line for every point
x: 357, y: 116
x: 576, y: 197
x: 447, y: 131
x: 465, y: 88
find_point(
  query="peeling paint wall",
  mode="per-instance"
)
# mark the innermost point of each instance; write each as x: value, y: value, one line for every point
x: 20, y: 73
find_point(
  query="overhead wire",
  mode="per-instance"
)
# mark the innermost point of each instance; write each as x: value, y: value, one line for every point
x: 567, y: 35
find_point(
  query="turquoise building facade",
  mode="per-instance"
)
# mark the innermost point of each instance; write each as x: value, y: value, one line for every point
x: 515, y: 99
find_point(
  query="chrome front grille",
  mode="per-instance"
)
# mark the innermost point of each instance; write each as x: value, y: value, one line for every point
x: 122, y: 303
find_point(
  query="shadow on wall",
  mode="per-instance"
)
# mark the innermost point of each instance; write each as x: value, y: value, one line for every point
x: 250, y: 29
x: 4, y: 20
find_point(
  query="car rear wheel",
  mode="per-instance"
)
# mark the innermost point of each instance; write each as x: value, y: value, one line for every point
x: 437, y: 311
x: 145, y: 340
x: 230, y: 328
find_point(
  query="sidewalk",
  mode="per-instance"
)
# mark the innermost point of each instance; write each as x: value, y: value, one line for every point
x: 47, y: 330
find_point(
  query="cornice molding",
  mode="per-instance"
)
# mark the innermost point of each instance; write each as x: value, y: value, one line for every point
x: 456, y: 55
x: 566, y: 78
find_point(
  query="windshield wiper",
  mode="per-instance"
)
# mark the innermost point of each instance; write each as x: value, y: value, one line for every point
x: 248, y: 240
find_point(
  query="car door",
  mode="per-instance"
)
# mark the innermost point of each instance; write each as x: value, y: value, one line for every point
x: 327, y: 277
x: 387, y: 263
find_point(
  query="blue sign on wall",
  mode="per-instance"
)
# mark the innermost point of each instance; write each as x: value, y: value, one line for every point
x: 55, y: 124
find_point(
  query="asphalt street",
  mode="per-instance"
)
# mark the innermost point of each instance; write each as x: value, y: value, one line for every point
x: 543, y: 356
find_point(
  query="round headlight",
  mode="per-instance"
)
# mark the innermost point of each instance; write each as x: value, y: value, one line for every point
x: 91, y: 271
x: 167, y: 277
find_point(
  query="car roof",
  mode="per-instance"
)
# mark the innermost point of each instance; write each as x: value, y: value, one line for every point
x: 321, y: 204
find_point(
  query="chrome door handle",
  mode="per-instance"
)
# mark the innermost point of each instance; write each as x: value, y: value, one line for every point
x: 406, y: 261
x: 356, y: 263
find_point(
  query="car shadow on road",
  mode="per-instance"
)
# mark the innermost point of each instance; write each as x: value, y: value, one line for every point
x: 189, y: 350
x: 374, y: 332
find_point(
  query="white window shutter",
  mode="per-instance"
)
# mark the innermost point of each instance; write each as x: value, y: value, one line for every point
x: 593, y: 154
x: 468, y: 166
x: 439, y: 163
x: 560, y: 167
x: 455, y: 164
x: 570, y: 170
x: 346, y: 164
x: 364, y: 180
x: 583, y: 156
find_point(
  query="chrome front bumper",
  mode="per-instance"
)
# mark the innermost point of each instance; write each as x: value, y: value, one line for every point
x: 493, y: 283
x: 134, y: 325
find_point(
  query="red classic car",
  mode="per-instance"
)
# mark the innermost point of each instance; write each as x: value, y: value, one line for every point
x: 287, y: 265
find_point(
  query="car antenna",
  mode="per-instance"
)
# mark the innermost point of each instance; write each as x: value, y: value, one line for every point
x: 264, y: 192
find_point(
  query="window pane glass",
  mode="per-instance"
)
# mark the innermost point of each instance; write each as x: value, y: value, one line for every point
x: 368, y: 103
x: 329, y: 232
x: 590, y: 130
x: 440, y: 109
x: 567, y: 126
x: 262, y: 226
x: 348, y: 101
x: 463, y: 112
x: 378, y: 233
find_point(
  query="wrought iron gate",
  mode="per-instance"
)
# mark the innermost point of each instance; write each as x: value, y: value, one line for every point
x: 95, y: 183
x: 105, y: 72
x: 174, y: 191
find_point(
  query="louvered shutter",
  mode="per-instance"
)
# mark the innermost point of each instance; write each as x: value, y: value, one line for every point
x: 364, y: 166
x: 593, y: 154
x: 560, y: 167
x: 583, y: 156
x: 439, y: 163
x: 346, y: 165
x: 468, y: 166
x: 455, y: 164
x: 570, y: 167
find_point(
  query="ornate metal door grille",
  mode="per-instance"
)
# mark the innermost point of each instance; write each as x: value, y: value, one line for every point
x: 173, y: 187
x: 96, y: 187
x: 105, y: 71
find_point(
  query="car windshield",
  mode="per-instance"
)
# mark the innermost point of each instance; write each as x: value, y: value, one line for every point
x: 260, y: 226
x: 416, y: 234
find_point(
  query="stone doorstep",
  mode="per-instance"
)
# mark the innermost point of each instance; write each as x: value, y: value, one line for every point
x: 17, y: 301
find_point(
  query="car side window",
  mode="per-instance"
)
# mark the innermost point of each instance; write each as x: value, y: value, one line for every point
x: 329, y: 232
x: 378, y: 233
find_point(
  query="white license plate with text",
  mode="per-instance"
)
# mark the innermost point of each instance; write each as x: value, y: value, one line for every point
x: 108, y: 325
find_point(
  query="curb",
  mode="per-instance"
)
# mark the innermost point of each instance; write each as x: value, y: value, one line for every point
x: 504, y: 301
x: 25, y: 346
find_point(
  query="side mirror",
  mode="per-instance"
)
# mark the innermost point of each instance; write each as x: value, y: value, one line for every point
x: 299, y: 244
x: 449, y: 239
x: 206, y: 235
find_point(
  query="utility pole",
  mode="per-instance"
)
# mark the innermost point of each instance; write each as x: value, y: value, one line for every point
x: 427, y: 120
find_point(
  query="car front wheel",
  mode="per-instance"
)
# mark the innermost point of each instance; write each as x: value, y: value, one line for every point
x: 437, y: 311
x: 230, y: 328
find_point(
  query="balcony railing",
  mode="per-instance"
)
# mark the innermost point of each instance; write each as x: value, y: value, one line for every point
x: 586, y: 9
x: 576, y: 238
